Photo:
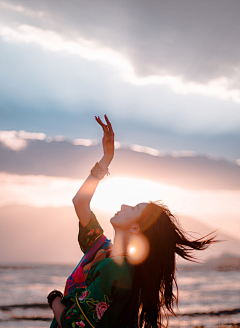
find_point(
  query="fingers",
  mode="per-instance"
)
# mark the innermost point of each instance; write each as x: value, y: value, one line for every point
x: 104, y: 126
x: 108, y: 123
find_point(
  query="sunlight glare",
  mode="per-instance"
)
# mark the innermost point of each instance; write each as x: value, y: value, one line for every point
x: 114, y: 192
x: 208, y: 206
x: 132, y: 250
x: 138, y: 248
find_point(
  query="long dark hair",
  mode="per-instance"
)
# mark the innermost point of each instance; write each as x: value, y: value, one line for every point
x: 152, y: 297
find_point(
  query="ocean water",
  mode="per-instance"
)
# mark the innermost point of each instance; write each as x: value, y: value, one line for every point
x: 206, y: 296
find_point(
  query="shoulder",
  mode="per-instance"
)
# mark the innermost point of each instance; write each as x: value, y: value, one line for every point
x: 89, y: 234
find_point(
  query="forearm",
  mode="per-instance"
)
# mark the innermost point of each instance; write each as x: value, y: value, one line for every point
x: 58, y: 308
x: 84, y: 195
x: 89, y: 186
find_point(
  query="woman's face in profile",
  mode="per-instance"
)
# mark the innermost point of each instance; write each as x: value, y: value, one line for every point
x: 127, y: 216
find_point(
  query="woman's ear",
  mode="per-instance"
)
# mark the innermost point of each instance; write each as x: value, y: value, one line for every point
x: 135, y: 228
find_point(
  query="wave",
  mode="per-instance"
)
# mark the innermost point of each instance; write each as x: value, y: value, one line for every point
x: 24, y: 306
x: 15, y: 318
x: 211, y: 313
x: 46, y: 306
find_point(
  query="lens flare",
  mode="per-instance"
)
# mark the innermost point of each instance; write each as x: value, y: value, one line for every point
x: 138, y: 249
x: 132, y: 250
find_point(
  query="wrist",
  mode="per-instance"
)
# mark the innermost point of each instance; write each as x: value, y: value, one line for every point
x: 105, y: 161
x: 53, y: 295
x: 98, y: 171
x: 108, y: 156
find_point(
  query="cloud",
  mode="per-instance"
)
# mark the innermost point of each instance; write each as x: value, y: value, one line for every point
x: 155, y: 152
x: 38, y: 191
x: 85, y: 142
x: 31, y: 135
x: 81, y: 46
x: 147, y: 150
x: 12, y: 141
x: 18, y: 140
x: 55, y: 42
x: 59, y: 138
x: 183, y: 153
x: 219, y: 87
x: 20, y: 9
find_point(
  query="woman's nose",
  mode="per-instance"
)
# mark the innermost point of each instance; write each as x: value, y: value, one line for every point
x: 124, y: 207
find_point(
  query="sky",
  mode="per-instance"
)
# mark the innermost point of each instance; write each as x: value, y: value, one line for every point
x: 167, y: 74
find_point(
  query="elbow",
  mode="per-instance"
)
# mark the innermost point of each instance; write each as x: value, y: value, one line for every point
x: 77, y: 200
x: 74, y: 200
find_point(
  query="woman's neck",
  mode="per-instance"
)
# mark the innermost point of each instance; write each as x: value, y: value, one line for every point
x: 120, y: 243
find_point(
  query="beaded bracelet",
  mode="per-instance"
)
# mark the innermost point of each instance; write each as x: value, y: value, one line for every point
x: 51, y: 296
x: 98, y: 173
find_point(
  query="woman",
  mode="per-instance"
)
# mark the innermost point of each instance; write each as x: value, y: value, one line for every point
x: 128, y: 283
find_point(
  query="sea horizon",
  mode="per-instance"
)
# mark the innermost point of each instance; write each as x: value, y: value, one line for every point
x: 208, y: 295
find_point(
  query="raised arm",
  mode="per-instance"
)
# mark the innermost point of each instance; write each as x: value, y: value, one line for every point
x: 84, y: 195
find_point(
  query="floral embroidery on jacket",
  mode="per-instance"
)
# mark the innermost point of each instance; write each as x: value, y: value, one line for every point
x: 101, y: 308
x: 89, y: 234
x: 95, y: 307
x: 80, y: 324
x: 84, y: 294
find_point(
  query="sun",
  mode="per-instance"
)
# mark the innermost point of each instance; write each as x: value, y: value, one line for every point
x: 114, y: 192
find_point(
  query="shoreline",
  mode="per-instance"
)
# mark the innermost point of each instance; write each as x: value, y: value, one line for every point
x: 190, y: 314
x: 183, y: 319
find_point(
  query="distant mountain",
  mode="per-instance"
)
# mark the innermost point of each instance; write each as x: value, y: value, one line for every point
x: 225, y: 244
x: 225, y: 262
x: 63, y: 159
x: 38, y: 235
x: 49, y: 235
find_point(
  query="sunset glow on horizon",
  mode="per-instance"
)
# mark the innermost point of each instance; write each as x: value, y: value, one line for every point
x: 208, y: 206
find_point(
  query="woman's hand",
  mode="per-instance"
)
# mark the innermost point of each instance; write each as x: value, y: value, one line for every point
x: 108, y: 137
x: 84, y: 195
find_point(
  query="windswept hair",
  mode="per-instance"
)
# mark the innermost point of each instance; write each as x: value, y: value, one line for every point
x: 152, y: 297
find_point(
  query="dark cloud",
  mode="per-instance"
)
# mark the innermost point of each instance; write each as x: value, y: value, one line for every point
x: 54, y: 93
x: 63, y: 159
x: 198, y: 40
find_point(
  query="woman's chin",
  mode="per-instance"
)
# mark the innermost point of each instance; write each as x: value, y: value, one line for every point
x: 112, y: 221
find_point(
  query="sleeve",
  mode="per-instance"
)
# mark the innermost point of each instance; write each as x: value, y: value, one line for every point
x: 88, y: 234
x: 86, y: 306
